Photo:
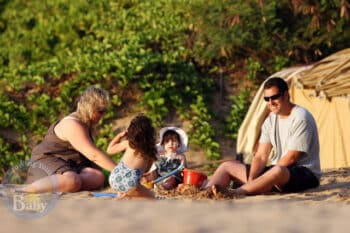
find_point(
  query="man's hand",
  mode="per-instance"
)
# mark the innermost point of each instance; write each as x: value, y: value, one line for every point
x: 259, y: 160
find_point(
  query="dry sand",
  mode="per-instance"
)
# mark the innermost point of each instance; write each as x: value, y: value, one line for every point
x: 325, y: 209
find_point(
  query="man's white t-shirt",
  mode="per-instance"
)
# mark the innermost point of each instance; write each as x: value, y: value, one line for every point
x: 296, y: 132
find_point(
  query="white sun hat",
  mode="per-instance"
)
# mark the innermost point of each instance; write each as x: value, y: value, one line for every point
x: 183, y: 138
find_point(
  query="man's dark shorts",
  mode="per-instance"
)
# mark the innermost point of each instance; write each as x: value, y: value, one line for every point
x: 301, y: 178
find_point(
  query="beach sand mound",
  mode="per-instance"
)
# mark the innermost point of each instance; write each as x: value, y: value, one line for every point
x: 334, y: 188
x: 194, y: 193
x: 323, y: 209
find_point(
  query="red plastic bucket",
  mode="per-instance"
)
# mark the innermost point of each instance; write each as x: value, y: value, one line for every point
x: 193, y: 177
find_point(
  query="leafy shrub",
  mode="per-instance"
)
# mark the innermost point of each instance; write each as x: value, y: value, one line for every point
x: 239, y: 107
x: 163, y: 50
x: 201, y: 131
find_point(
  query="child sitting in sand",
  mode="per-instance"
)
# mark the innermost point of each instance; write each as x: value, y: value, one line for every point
x: 172, y: 145
x: 140, y: 153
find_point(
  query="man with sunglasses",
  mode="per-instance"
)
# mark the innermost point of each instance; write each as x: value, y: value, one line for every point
x: 290, y: 132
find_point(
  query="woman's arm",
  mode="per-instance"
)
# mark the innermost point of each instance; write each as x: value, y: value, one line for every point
x: 78, y: 136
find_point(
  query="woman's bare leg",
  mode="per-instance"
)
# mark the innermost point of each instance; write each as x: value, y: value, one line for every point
x: 67, y: 182
x: 91, y: 178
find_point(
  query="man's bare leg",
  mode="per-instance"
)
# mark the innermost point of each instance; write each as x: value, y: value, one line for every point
x: 227, y: 171
x: 276, y: 176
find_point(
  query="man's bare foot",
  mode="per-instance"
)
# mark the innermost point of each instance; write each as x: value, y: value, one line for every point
x: 219, y: 191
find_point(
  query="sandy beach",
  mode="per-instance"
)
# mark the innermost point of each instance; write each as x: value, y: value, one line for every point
x: 324, y: 209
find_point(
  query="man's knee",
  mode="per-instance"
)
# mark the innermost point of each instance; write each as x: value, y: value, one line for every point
x: 280, y: 174
x: 230, y: 164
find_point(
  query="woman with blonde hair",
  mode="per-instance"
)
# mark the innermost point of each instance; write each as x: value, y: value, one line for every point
x: 69, y: 152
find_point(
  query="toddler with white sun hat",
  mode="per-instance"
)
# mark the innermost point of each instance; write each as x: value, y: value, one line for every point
x: 168, y: 133
x: 172, y: 145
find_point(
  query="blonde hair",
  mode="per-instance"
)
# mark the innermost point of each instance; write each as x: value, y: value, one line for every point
x: 93, y: 99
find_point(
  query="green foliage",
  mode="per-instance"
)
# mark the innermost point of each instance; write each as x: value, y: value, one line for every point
x: 201, y: 131
x: 52, y: 51
x: 162, y: 55
x: 253, y: 68
x: 298, y: 31
x: 12, y: 154
x: 278, y: 63
x: 239, y: 107
x: 13, y: 115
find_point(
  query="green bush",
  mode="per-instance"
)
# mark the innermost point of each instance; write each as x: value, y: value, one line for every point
x: 239, y: 107
x: 169, y: 52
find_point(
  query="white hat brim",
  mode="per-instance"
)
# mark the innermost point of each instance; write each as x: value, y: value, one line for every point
x: 183, y: 138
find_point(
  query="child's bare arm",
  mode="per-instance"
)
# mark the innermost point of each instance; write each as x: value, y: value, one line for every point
x: 116, y: 145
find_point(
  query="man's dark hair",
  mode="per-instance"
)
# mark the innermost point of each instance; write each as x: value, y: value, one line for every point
x: 276, y: 82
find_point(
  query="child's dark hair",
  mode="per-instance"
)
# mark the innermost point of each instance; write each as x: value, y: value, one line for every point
x: 141, y: 136
x: 170, y: 135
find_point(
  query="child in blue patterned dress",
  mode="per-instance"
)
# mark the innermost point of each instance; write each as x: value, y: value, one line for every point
x: 140, y: 153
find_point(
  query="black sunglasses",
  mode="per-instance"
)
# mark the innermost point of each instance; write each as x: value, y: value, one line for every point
x: 273, y: 97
